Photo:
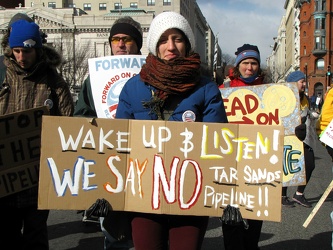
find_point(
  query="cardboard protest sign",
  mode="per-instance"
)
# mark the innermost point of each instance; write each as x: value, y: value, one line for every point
x: 20, y: 135
x: 161, y: 167
x: 327, y: 135
x: 271, y: 104
x: 108, y: 75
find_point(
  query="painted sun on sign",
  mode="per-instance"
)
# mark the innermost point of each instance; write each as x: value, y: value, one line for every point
x: 271, y: 104
x: 267, y: 104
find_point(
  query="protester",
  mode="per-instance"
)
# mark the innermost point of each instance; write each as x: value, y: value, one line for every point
x: 31, y: 81
x: 319, y: 102
x: 246, y: 72
x: 125, y: 39
x: 313, y: 102
x: 2, y: 69
x: 325, y: 118
x: 328, y: 89
x: 170, y: 87
x: 226, y: 82
x: 16, y: 17
x: 305, y: 132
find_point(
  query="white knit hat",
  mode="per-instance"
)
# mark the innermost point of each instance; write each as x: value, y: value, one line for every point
x: 163, y: 22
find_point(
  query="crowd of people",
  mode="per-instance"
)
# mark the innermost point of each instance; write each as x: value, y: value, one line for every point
x: 170, y: 84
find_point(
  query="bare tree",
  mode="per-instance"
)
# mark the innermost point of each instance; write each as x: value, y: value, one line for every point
x: 269, y: 78
x: 74, y: 69
x: 228, y: 59
x: 275, y: 74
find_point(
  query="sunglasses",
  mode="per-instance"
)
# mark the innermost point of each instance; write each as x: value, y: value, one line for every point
x: 126, y: 39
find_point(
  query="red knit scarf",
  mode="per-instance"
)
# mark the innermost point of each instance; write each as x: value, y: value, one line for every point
x: 173, y: 77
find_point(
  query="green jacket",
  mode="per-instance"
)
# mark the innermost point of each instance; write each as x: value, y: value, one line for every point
x: 85, y: 104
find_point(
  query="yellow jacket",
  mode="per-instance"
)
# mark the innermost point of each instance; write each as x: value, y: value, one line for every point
x: 326, y: 112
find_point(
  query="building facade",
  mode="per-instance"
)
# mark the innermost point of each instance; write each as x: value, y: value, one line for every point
x: 277, y: 62
x: 316, y: 44
x: 304, y: 42
x: 71, y: 26
x: 285, y: 56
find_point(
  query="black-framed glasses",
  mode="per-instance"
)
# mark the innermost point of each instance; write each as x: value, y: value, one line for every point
x: 126, y: 39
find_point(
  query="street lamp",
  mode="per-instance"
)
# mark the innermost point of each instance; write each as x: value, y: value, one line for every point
x: 306, y: 79
x: 328, y: 77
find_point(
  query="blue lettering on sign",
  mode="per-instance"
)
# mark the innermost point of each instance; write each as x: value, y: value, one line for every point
x: 117, y: 63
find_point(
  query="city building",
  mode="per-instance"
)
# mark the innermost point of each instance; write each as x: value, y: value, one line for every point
x: 83, y: 28
x: 316, y: 44
x: 285, y: 50
x: 276, y: 62
x: 304, y: 42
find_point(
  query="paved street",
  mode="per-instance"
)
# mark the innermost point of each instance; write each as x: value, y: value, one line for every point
x: 67, y: 231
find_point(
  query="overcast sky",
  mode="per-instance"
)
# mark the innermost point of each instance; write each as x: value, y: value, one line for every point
x: 244, y: 21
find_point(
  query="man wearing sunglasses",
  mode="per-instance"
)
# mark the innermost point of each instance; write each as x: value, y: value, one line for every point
x: 125, y: 39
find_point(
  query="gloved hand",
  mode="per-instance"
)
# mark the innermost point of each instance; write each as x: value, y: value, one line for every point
x: 232, y: 216
x: 300, y: 131
x: 100, y: 208
x: 329, y: 151
x: 303, y: 119
x: 314, y: 115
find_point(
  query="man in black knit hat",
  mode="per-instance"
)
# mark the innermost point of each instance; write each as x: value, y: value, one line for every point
x: 125, y: 39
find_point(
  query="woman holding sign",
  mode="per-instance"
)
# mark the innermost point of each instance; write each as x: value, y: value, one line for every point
x: 305, y: 132
x: 170, y: 87
x: 247, y: 72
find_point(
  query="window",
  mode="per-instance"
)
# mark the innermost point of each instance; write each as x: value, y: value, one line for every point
x: 71, y: 5
x: 87, y: 6
x: 320, y: 23
x: 316, y: 5
x: 134, y: 5
x: 51, y: 5
x: 320, y: 64
x: 320, y: 5
x: 323, y: 5
x: 117, y: 6
x: 102, y: 6
x: 323, y: 42
x: 320, y: 43
x: 151, y: 2
x: 304, y: 50
x: 166, y: 2
x: 317, y: 43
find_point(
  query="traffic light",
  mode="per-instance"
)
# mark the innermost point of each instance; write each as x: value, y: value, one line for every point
x: 329, y: 70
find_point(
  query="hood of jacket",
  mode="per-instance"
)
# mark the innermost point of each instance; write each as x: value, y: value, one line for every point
x: 46, y: 54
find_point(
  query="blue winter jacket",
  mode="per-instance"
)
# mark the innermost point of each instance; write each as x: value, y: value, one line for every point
x: 205, y: 102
